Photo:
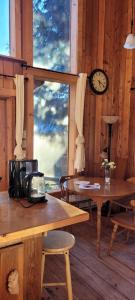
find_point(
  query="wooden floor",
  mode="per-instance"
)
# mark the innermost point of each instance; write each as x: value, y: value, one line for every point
x: 108, y: 278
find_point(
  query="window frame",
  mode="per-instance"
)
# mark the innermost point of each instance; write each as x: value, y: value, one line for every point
x: 21, y: 47
x: 14, y: 30
x: 71, y: 80
x: 35, y: 73
x: 21, y: 31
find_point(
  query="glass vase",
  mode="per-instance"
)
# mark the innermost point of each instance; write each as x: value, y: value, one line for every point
x: 107, y: 176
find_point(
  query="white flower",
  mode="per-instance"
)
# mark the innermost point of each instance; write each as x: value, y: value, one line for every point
x: 108, y: 164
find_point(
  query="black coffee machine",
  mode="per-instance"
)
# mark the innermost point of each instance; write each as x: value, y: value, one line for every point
x: 18, y: 170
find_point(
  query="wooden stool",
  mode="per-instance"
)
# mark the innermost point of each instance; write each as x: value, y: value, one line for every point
x: 58, y: 242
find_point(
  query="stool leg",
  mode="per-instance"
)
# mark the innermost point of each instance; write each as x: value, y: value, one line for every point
x: 68, y: 276
x: 112, y: 238
x: 42, y: 268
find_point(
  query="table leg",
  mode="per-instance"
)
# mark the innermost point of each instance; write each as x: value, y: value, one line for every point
x: 99, y: 205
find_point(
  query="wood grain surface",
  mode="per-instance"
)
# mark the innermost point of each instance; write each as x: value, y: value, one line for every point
x: 17, y: 222
x: 117, y: 189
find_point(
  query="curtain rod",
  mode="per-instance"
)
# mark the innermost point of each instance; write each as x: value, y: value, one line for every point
x: 29, y: 66
x: 4, y: 75
x: 11, y: 76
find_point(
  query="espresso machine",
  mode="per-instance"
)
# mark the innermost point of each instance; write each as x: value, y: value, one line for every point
x: 18, y: 170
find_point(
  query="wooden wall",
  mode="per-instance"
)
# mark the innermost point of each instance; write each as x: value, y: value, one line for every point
x: 102, y: 34
x: 11, y: 67
x: 102, y: 28
x: 7, y: 114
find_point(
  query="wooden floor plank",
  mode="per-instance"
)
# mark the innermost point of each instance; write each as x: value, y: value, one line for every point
x: 111, y: 262
x: 105, y: 273
x: 105, y: 290
x: 115, y: 264
x: 109, y: 278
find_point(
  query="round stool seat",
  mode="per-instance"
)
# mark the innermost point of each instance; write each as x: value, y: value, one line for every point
x: 58, y: 240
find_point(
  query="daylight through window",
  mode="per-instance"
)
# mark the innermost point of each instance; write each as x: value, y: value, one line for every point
x: 4, y: 28
x: 51, y: 129
x: 51, y: 34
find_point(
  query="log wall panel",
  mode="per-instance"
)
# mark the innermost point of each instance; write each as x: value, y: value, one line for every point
x: 10, y: 128
x: 81, y: 35
x: 1, y: 72
x: 131, y: 157
x: 8, y: 69
x: 100, y: 55
x: 7, y: 115
x: 90, y: 58
x: 29, y: 116
x: 72, y: 132
x: 106, y: 26
x: 3, y: 144
x: 7, y: 137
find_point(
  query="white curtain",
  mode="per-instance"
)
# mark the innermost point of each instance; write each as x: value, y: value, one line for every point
x: 19, y: 82
x: 79, y: 163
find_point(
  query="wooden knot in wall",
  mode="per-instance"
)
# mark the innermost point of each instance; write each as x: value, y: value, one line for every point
x: 13, y: 283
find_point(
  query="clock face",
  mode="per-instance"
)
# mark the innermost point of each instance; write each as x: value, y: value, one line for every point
x: 98, y: 81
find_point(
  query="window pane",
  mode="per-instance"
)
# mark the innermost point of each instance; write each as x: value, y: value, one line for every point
x: 51, y: 31
x: 4, y: 27
x: 51, y: 129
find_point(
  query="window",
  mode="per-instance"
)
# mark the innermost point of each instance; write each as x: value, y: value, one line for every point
x: 54, y: 122
x: 4, y: 28
x: 51, y: 34
x: 51, y: 129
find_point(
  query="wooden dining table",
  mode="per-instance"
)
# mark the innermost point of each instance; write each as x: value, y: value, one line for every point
x: 21, y: 231
x: 117, y: 189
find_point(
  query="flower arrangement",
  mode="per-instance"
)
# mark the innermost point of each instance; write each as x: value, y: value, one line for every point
x: 109, y: 165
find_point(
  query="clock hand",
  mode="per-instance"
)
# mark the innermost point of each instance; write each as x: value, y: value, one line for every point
x: 100, y: 83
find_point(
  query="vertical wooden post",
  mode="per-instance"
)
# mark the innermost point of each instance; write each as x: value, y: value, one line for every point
x: 32, y: 268
x: 15, y: 28
x: 27, y: 31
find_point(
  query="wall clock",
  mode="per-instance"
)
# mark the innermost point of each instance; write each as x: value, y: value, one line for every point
x: 98, y: 81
